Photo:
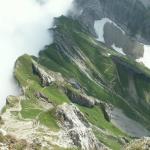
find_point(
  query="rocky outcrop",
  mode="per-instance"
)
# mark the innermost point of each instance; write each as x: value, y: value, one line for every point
x: 139, y: 144
x: 46, y: 76
x: 44, y: 101
x: 79, y: 98
x: 12, y: 101
x: 41, y: 96
x: 9, y: 142
x: 78, y: 128
x: 74, y: 83
x: 46, y: 79
x: 106, y: 109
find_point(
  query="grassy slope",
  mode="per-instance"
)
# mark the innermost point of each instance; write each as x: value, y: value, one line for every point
x: 112, y: 76
x: 96, y: 117
x: 32, y: 110
x: 112, y: 89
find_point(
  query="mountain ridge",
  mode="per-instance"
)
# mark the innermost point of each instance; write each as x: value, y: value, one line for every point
x: 77, y: 94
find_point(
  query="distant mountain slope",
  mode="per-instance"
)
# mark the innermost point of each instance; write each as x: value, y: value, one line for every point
x: 130, y: 15
x: 112, y: 75
x: 83, y: 92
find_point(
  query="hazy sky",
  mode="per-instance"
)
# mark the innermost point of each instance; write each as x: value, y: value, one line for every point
x: 23, y: 29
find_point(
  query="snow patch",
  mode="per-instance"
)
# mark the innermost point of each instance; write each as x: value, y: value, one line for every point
x: 118, y: 49
x: 146, y: 57
x: 99, y: 28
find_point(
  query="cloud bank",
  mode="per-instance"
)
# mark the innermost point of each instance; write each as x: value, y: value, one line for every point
x: 24, y: 29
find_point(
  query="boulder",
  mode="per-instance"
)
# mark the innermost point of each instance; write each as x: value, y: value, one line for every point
x: 78, y: 128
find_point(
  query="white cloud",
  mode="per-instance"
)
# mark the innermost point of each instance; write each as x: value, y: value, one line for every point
x: 24, y: 29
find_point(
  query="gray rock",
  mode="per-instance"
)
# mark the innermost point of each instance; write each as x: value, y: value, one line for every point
x: 44, y: 101
x: 123, y: 140
x: 84, y: 100
x: 78, y: 128
x: 74, y: 83
x: 40, y: 95
x: 139, y: 144
x: 79, y: 98
x: 106, y: 109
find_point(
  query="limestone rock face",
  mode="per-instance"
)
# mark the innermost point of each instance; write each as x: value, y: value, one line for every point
x: 74, y: 83
x: 80, y: 99
x: 107, y: 110
x: 12, y: 101
x: 78, y: 128
x: 46, y: 78
x: 9, y: 142
x: 139, y: 144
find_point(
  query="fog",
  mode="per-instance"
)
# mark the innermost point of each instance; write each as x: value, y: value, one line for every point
x: 24, y: 29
